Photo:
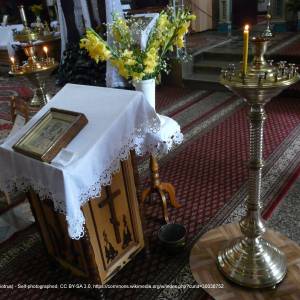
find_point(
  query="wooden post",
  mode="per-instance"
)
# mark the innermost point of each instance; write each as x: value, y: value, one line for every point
x: 161, y: 188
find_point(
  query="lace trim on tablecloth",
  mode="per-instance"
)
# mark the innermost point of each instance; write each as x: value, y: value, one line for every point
x: 157, y: 148
x: 76, y: 225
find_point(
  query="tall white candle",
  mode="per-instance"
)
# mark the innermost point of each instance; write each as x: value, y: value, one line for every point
x: 23, y: 15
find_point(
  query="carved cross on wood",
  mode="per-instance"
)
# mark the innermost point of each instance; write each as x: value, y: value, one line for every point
x: 113, y: 217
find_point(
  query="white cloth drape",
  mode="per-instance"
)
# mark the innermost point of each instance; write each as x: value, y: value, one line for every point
x: 118, y: 121
x: 6, y: 37
x: 63, y: 27
x: 113, y: 79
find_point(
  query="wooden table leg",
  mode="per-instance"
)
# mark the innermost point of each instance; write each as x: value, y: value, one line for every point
x: 161, y: 188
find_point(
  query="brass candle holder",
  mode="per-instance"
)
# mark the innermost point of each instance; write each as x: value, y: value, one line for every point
x: 36, y: 72
x: 253, y: 261
x: 35, y: 69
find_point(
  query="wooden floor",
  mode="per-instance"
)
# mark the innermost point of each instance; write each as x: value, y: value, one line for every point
x: 204, y: 269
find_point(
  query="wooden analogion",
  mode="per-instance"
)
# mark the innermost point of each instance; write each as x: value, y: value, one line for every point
x: 113, y: 230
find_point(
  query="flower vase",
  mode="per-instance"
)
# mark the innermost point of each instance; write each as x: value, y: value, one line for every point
x: 147, y: 87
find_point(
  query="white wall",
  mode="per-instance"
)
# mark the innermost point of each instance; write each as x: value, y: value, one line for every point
x: 203, y: 11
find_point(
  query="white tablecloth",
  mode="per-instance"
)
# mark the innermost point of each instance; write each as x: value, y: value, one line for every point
x: 6, y: 37
x: 7, y: 41
x: 118, y: 121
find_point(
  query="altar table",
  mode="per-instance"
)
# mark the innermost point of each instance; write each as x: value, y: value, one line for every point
x: 85, y: 201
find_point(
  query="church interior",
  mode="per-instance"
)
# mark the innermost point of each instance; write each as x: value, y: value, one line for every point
x: 150, y: 149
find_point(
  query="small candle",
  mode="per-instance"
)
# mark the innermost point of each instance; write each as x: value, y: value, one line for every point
x: 45, y: 48
x: 13, y: 67
x: 246, y: 49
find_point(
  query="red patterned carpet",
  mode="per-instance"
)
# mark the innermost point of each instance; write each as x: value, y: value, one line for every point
x: 291, y: 49
x: 210, y: 174
x: 289, y: 52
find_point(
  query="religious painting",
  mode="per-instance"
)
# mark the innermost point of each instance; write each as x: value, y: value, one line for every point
x: 50, y: 134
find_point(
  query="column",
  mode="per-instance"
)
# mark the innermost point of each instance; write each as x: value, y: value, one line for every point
x: 225, y: 15
x: 278, y: 13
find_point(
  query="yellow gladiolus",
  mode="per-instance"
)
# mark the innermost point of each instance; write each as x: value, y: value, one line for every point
x: 127, y: 53
x: 180, y: 42
x: 116, y: 34
x: 131, y: 61
x: 119, y: 64
x: 193, y: 17
x: 150, y: 60
x: 162, y: 22
x: 127, y: 56
x: 119, y: 29
x: 121, y: 23
x: 96, y: 48
x: 123, y: 71
x: 184, y: 28
x: 137, y: 76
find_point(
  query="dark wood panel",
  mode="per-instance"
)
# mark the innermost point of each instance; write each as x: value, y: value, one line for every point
x: 113, y: 230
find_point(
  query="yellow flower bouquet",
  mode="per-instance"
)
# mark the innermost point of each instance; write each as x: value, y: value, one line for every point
x: 132, y: 62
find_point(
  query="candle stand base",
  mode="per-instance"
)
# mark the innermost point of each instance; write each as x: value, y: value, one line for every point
x: 205, y: 272
x: 254, y: 264
x: 40, y: 98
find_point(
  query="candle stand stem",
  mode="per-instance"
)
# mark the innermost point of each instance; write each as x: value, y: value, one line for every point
x: 252, y: 261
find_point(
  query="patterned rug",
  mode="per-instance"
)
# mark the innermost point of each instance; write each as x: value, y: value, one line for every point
x: 210, y: 174
x: 292, y: 49
x: 19, y: 217
x: 289, y: 51
x: 6, y: 92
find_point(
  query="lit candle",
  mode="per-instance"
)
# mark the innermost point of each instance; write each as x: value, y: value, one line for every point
x: 13, y: 67
x: 246, y: 49
x: 45, y: 48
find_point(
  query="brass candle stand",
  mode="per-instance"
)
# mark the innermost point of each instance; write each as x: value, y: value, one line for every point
x: 35, y: 69
x: 253, y: 261
x: 36, y: 72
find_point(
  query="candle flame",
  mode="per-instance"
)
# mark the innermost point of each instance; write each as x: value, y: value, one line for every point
x: 12, y: 60
x: 45, y: 48
x: 246, y: 28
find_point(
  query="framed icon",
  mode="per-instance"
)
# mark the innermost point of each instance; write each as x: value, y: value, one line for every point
x: 50, y: 134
